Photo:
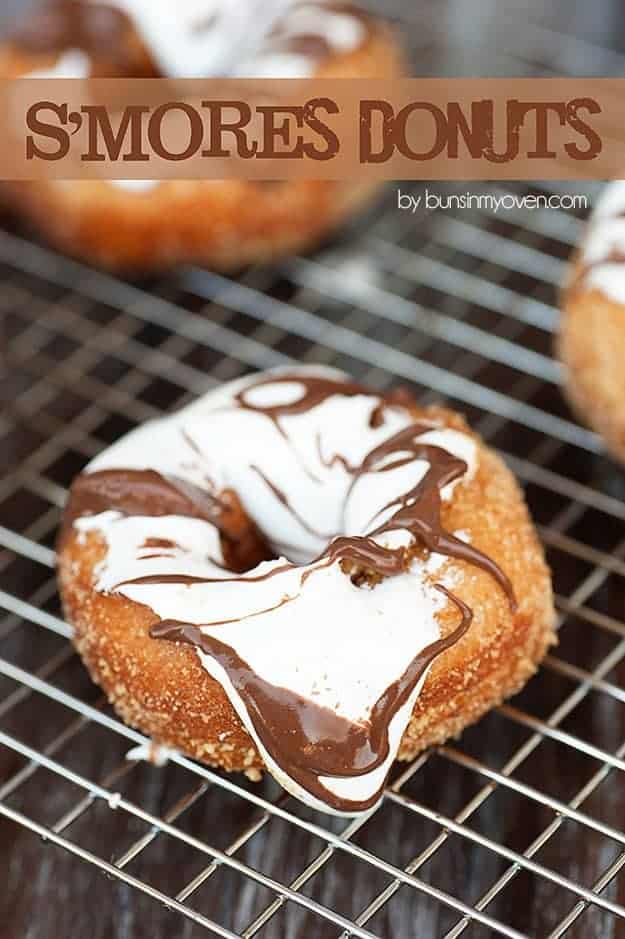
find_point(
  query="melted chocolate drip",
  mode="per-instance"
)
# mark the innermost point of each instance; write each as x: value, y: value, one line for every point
x: 306, y: 740
x: 139, y: 492
x: 419, y: 509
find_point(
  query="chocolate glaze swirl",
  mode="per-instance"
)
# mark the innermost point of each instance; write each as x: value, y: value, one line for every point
x: 306, y: 740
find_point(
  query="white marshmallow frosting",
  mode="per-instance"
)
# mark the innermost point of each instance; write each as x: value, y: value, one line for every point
x: 250, y: 38
x: 213, y: 38
x: 320, y: 636
x: 605, y: 238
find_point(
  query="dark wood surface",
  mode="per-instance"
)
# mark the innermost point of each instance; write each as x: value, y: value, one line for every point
x: 48, y: 894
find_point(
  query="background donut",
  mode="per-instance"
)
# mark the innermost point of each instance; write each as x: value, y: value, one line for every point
x: 591, y: 341
x: 223, y: 224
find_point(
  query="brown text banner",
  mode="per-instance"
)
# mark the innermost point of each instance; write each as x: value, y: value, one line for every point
x: 469, y: 129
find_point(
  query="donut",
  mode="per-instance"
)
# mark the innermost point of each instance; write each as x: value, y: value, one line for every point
x: 139, y: 226
x: 299, y: 574
x: 591, y: 337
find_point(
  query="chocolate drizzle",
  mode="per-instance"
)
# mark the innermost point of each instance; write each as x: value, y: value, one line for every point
x: 306, y: 740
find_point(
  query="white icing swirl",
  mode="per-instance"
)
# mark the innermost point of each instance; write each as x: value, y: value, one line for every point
x: 285, y: 626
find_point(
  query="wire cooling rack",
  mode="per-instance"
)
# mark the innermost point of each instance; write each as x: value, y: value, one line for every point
x: 514, y: 830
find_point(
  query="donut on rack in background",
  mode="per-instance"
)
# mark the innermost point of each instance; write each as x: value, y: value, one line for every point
x: 591, y: 341
x: 348, y: 580
x: 143, y: 225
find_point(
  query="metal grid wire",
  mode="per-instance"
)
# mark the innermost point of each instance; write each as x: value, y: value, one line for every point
x: 514, y: 830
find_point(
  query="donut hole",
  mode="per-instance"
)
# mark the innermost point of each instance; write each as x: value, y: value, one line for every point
x: 243, y: 544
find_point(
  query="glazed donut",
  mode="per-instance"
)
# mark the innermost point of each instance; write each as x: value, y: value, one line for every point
x: 300, y: 574
x: 143, y: 225
x: 591, y: 342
